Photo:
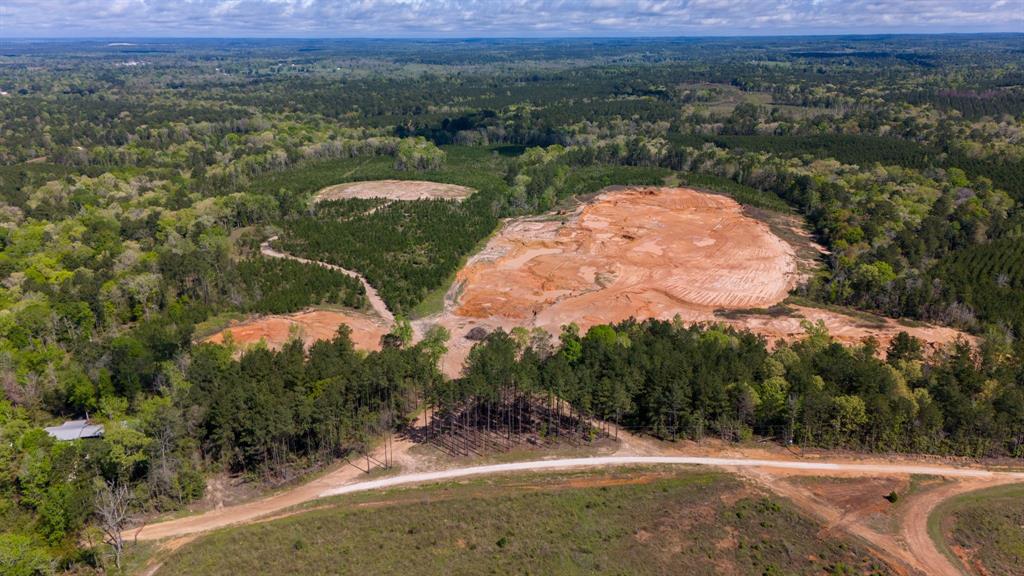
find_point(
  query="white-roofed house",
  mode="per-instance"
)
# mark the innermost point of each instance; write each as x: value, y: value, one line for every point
x: 75, y: 429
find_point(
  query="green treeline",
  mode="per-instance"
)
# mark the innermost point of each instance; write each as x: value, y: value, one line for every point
x: 989, y: 278
x: 277, y: 286
x: 742, y: 194
x: 676, y: 382
x: 274, y: 412
x: 868, y: 150
x: 404, y: 249
x: 265, y: 413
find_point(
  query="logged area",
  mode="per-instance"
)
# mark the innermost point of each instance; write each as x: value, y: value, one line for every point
x: 309, y: 326
x: 394, y: 190
x: 644, y: 252
x: 607, y: 522
x: 648, y: 252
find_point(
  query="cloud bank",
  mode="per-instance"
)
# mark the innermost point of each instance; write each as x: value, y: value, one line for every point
x: 498, y: 18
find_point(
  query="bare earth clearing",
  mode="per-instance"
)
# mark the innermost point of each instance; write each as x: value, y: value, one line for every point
x: 394, y: 190
x: 648, y: 252
x: 844, y: 328
x: 635, y: 252
x: 310, y: 326
x: 644, y: 253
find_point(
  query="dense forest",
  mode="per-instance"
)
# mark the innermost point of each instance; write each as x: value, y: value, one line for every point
x: 674, y: 381
x: 138, y: 182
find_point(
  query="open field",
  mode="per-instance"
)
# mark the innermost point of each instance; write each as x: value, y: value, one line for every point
x: 309, y: 325
x: 847, y: 494
x: 983, y: 531
x: 394, y: 190
x: 636, y: 521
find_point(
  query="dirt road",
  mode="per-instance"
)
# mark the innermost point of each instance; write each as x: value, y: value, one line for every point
x: 340, y: 482
x: 914, y: 530
x: 376, y: 302
x: 249, y: 511
x: 569, y: 463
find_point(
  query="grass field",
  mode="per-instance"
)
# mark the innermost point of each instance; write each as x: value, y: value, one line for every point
x: 983, y: 531
x: 640, y: 521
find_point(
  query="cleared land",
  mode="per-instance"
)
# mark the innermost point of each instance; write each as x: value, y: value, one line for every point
x: 637, y: 252
x: 394, y: 190
x: 647, y: 253
x: 606, y: 522
x: 644, y: 252
x: 309, y: 326
x: 846, y: 328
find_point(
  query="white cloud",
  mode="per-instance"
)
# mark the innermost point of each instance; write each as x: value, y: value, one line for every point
x: 400, y: 18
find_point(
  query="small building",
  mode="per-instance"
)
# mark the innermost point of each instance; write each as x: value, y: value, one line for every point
x: 75, y: 429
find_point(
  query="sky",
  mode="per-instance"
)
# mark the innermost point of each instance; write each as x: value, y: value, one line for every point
x: 498, y: 18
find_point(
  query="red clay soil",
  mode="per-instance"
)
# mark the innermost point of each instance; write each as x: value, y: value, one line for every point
x: 844, y: 328
x: 643, y: 253
x: 310, y: 326
x: 635, y: 252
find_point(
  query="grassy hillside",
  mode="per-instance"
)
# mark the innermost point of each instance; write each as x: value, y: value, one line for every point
x: 985, y: 530
x: 644, y: 521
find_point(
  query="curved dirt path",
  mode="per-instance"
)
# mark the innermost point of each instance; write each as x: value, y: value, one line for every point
x: 338, y: 482
x: 247, y: 512
x: 596, y: 461
x: 376, y: 302
x: 914, y: 530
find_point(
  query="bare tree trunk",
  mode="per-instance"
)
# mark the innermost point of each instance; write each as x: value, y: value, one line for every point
x: 112, y: 505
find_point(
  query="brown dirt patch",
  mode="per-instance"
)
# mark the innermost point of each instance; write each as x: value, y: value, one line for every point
x: 643, y: 252
x: 649, y: 253
x: 632, y: 252
x: 857, y: 498
x: 310, y: 326
x: 394, y: 190
x: 844, y: 328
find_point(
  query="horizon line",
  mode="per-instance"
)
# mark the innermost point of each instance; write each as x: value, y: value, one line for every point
x: 539, y: 37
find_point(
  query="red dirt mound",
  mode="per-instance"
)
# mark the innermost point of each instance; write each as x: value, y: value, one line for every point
x: 310, y: 326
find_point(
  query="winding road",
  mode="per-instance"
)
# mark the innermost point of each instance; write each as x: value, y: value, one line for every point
x: 376, y: 302
x: 920, y: 553
x: 598, y: 461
